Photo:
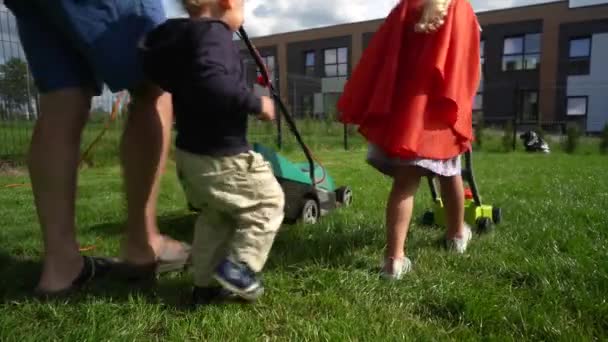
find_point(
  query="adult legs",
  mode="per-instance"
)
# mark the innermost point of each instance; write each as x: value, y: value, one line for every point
x: 53, y: 163
x: 144, y: 152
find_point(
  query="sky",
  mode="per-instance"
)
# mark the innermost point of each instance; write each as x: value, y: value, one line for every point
x: 265, y: 17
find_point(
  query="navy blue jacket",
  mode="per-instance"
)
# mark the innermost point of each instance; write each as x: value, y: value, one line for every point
x: 197, y: 61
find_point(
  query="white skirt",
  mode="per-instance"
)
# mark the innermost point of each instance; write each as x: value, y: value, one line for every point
x: 385, y: 164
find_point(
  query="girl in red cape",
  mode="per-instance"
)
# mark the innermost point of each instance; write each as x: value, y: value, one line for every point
x: 411, y: 96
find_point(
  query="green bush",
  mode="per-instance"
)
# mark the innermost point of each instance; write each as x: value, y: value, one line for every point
x: 604, y: 140
x: 573, y: 137
x: 507, y: 138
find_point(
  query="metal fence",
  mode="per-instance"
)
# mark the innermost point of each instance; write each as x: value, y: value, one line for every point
x: 310, y: 99
x: 19, y: 100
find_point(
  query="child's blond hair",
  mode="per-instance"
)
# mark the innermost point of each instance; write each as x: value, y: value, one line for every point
x: 433, y: 15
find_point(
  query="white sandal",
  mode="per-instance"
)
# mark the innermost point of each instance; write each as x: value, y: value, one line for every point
x: 459, y: 245
x: 398, y: 267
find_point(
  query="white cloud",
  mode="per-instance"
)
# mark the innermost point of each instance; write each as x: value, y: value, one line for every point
x: 275, y: 16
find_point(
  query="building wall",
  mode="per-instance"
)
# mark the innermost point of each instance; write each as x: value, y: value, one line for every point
x: 595, y: 85
x: 500, y: 97
x: 251, y: 70
x: 552, y: 15
x: 353, y: 31
x: 296, y: 53
x: 367, y: 38
x: 502, y: 89
x: 316, y: 86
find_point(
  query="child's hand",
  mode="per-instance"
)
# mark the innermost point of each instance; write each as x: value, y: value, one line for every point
x: 268, y: 112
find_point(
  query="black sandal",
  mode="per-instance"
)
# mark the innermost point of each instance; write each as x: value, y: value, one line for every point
x: 94, y: 268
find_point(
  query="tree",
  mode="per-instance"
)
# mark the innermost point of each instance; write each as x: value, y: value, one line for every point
x: 17, y: 90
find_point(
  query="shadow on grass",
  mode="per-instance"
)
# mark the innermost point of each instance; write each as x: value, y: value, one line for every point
x: 334, y: 246
x: 328, y: 245
x: 20, y: 276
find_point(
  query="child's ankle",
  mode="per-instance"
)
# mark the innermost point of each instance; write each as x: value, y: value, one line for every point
x: 456, y: 233
x: 390, y: 261
x: 394, y: 269
x: 394, y: 256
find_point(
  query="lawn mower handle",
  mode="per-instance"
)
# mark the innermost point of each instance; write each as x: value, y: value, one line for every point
x: 273, y: 92
x: 468, y: 176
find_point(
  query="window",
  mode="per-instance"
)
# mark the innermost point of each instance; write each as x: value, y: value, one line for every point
x: 336, y: 62
x: 577, y: 105
x: 309, y: 63
x: 579, y: 56
x: 270, y: 65
x: 521, y: 52
x: 529, y: 105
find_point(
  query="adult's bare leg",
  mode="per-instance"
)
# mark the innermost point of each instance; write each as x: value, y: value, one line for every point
x: 53, y: 163
x: 144, y: 151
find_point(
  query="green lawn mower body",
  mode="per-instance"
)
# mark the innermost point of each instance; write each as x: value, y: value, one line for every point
x: 305, y: 201
x: 477, y: 214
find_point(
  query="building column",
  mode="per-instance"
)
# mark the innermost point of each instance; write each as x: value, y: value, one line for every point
x: 283, y: 77
x: 357, y: 48
x: 548, y: 71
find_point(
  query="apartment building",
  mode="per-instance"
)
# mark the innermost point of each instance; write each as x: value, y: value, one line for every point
x: 542, y: 64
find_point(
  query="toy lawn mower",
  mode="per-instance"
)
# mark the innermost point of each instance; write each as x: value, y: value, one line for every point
x: 309, y: 191
x: 476, y: 214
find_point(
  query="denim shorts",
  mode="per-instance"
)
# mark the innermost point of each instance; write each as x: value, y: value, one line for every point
x: 85, y: 43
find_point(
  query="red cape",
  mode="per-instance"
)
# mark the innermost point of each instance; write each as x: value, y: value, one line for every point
x: 414, y: 99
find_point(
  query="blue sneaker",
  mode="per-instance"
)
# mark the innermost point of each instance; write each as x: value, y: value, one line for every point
x: 239, y: 279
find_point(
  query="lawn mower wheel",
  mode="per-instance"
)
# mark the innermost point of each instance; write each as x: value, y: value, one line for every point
x: 344, y: 196
x: 311, y: 212
x: 484, y: 225
x: 497, y: 215
x: 428, y: 219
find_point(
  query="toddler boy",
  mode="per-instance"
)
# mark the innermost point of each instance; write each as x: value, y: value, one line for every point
x: 241, y: 202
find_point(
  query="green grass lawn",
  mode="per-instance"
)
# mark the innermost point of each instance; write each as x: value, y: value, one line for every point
x: 542, y: 275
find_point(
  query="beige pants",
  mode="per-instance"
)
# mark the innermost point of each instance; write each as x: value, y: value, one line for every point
x: 241, y: 206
